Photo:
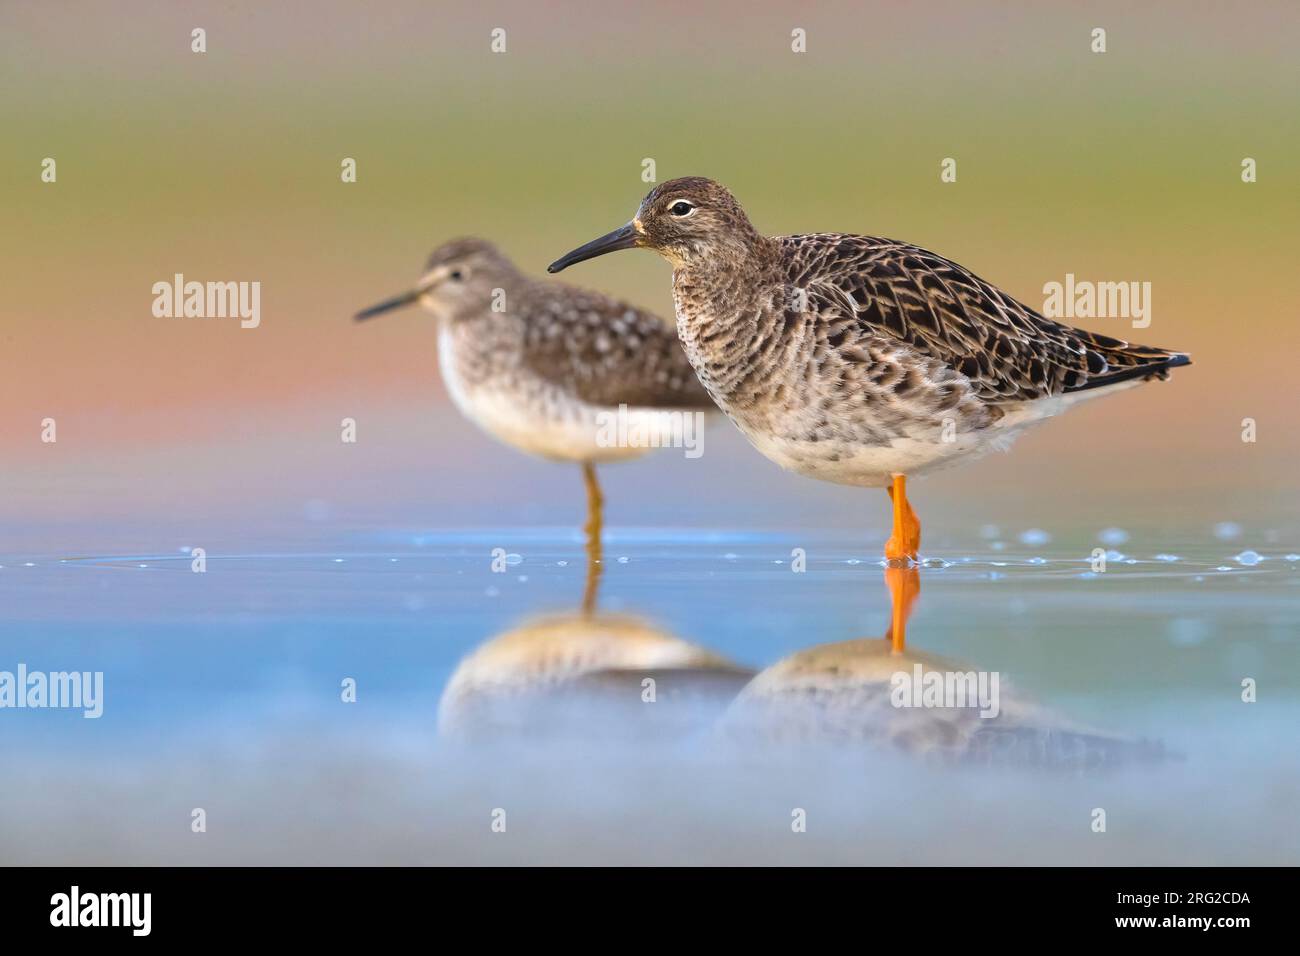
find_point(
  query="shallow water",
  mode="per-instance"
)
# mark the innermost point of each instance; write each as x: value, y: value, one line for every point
x: 222, y: 691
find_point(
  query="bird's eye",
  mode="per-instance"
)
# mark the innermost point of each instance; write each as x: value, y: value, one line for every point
x: 457, y: 275
x: 681, y: 208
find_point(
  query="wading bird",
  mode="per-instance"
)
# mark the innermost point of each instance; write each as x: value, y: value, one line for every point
x: 546, y: 367
x: 860, y: 360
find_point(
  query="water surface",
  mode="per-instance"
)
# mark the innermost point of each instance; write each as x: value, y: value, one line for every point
x: 223, y: 691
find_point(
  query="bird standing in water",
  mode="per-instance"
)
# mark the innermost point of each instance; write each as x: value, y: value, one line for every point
x: 860, y: 360
x: 543, y: 366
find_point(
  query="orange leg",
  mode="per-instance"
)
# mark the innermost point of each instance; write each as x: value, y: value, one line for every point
x: 593, y: 527
x: 905, y: 541
x: 904, y: 587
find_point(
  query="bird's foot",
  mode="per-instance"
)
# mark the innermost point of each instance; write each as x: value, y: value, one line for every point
x: 904, y: 545
x: 898, y: 556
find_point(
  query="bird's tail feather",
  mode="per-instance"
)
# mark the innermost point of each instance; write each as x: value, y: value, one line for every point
x: 1132, y: 362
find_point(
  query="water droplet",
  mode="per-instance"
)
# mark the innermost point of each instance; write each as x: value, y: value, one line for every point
x: 1035, y: 537
x: 1249, y: 558
x: 1168, y: 558
x: 998, y: 546
x: 491, y: 592
x: 935, y: 563
x: 1037, y: 560
x: 731, y: 556
x: 1112, y: 536
x: 338, y: 560
x: 1293, y: 557
x: 990, y: 531
x: 623, y: 559
x: 996, y: 575
x: 1227, y: 530
x: 562, y: 564
x: 512, y: 559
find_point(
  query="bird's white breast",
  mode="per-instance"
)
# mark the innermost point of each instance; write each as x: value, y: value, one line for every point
x: 926, y: 448
x: 539, y: 417
x: 871, y: 466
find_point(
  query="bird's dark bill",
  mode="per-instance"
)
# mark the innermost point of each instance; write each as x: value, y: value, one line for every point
x: 624, y: 237
x: 388, y: 305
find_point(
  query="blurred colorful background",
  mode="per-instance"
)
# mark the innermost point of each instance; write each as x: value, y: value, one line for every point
x: 370, y: 559
x: 226, y: 165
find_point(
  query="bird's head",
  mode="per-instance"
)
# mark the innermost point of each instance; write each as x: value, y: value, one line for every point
x: 689, y: 221
x: 461, y: 279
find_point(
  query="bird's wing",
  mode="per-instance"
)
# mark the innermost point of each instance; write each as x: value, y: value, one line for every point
x: 608, y: 352
x: 879, y: 288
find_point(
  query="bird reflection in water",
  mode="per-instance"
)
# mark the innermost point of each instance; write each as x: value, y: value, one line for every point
x: 588, y: 674
x: 594, y: 675
x: 904, y: 583
x: 862, y: 693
